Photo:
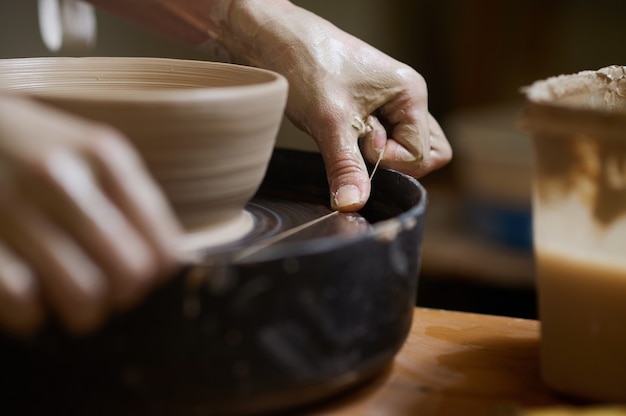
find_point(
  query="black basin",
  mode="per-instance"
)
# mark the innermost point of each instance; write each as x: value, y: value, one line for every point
x: 305, y: 321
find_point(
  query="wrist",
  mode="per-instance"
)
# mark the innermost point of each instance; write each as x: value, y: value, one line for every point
x: 260, y: 32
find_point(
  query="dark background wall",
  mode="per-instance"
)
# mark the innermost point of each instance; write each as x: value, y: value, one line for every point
x: 470, y: 52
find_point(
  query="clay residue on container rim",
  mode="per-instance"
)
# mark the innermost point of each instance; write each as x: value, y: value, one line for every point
x: 585, y: 164
x: 604, y: 89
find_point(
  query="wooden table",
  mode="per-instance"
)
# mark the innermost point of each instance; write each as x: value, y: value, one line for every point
x: 456, y: 363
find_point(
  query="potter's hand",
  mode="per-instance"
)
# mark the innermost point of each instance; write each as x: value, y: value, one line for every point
x: 342, y: 89
x: 83, y: 231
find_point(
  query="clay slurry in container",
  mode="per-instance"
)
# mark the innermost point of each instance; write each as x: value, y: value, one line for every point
x: 579, y: 224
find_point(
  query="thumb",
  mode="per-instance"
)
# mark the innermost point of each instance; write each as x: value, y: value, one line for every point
x: 345, y: 168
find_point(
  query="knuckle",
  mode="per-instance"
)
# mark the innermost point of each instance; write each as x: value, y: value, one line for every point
x: 346, y: 171
x: 441, y: 158
x: 408, y: 74
x: 326, y: 116
x: 413, y: 79
x: 143, y: 276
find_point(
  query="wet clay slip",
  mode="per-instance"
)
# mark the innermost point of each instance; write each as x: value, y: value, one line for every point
x: 205, y: 130
x: 578, y: 123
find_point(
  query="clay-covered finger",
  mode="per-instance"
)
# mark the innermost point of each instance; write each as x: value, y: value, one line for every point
x: 440, y: 149
x: 65, y: 187
x: 439, y: 153
x: 21, y: 306
x: 72, y: 285
x: 406, y: 118
x: 375, y: 141
x: 345, y: 168
x: 55, y: 173
x: 398, y: 157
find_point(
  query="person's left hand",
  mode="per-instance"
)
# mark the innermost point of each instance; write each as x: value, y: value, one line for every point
x: 343, y: 90
x: 85, y: 232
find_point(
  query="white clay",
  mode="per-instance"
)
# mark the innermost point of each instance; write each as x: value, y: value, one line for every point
x: 205, y: 130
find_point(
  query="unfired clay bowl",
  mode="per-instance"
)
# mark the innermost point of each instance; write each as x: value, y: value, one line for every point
x: 206, y: 130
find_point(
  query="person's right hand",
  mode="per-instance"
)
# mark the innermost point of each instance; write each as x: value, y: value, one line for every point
x: 84, y: 231
x: 356, y: 102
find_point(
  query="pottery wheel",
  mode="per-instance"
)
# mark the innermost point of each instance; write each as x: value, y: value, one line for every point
x: 302, y: 319
x: 274, y: 219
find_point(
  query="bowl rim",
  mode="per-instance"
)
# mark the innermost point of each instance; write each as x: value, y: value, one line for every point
x: 268, y: 82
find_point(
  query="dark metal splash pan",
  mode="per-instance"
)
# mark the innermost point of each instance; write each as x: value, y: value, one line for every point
x: 296, y: 322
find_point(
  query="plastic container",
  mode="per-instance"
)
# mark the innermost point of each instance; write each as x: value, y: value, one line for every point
x: 578, y: 124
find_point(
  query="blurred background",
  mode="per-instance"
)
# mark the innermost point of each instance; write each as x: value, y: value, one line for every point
x: 475, y: 57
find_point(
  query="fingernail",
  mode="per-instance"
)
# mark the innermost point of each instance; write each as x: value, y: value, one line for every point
x: 347, y: 196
